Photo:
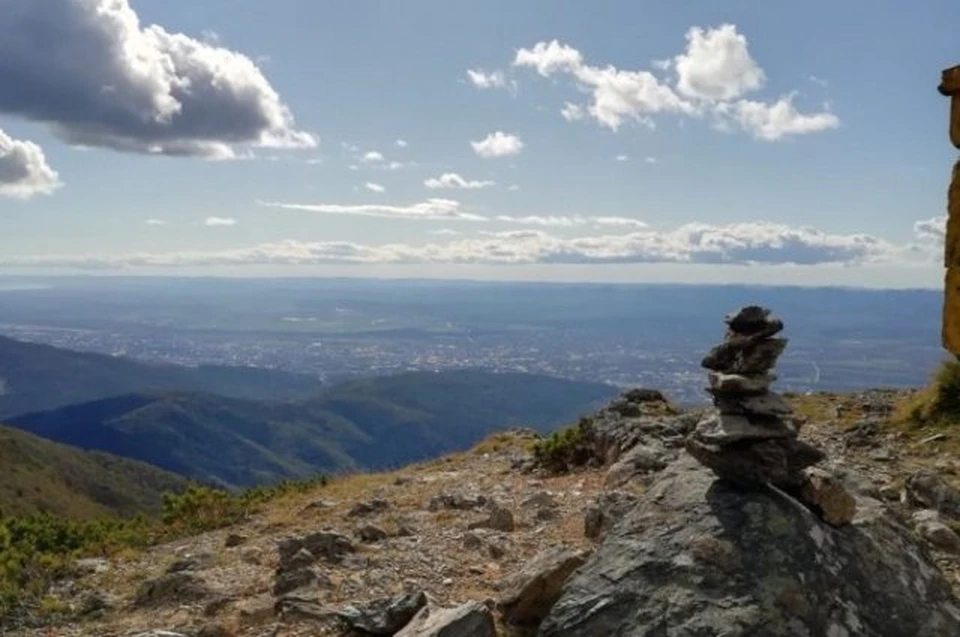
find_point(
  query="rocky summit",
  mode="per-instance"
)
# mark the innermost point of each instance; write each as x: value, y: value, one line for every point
x: 634, y: 538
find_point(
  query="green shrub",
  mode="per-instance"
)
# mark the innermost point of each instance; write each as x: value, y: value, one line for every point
x: 38, y: 549
x: 563, y: 450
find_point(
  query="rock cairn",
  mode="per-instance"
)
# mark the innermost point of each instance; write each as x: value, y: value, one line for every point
x: 752, y: 437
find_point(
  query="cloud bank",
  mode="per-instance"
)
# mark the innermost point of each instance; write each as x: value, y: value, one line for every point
x: 96, y: 76
x: 694, y: 243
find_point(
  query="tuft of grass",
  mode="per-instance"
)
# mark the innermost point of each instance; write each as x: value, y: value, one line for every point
x: 938, y: 404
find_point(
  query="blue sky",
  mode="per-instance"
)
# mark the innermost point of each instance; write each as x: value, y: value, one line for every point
x: 704, y: 141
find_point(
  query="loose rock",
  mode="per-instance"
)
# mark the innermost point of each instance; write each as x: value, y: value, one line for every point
x: 528, y: 595
x: 383, y: 616
x: 472, y: 619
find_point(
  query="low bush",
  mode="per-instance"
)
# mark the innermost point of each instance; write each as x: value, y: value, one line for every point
x: 565, y: 449
x: 38, y: 549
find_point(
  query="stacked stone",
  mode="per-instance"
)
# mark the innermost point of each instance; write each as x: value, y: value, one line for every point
x: 752, y: 437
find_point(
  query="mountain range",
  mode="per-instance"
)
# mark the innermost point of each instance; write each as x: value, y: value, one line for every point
x: 37, y: 377
x: 286, y: 428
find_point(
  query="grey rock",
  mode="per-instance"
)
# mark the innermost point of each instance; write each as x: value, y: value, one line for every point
x: 638, y: 461
x: 779, y: 461
x: 740, y: 383
x: 753, y: 320
x: 234, y: 539
x: 526, y: 597
x: 305, y: 581
x: 766, y: 404
x: 364, y: 509
x: 329, y: 545
x: 724, y: 429
x: 609, y: 508
x: 191, y: 563
x: 457, y: 501
x: 745, y: 355
x: 939, y: 535
x: 171, y: 589
x: 371, y: 533
x: 159, y: 633
x: 889, y: 492
x: 699, y: 556
x: 472, y: 619
x: 927, y: 489
x: 540, y: 500
x: 499, y: 519
x: 383, y: 616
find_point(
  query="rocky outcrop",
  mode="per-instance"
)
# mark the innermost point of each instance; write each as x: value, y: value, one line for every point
x: 528, y: 595
x: 700, y: 556
x: 383, y: 616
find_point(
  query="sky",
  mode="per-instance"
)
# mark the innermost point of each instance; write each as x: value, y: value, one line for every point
x: 702, y: 141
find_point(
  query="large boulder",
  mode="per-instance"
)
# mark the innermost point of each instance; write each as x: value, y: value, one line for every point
x: 527, y: 596
x: 700, y: 557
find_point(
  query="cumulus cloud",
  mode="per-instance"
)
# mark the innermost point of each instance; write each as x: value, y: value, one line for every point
x: 717, y: 65
x: 741, y: 244
x: 651, y: 160
x: 98, y: 77
x: 155, y: 222
x: 372, y: 157
x: 24, y: 171
x: 498, y: 144
x: 492, y: 80
x: 214, y: 222
x: 710, y: 77
x: 775, y: 121
x: 453, y: 180
x: 514, y: 188
x: 372, y: 187
x: 445, y: 232
x: 402, y: 143
x: 429, y: 210
x: 622, y: 158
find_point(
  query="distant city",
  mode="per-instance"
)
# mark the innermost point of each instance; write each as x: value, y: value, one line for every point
x: 650, y: 336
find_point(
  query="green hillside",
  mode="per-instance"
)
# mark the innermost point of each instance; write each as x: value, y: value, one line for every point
x: 43, y: 476
x: 35, y: 377
x: 364, y: 424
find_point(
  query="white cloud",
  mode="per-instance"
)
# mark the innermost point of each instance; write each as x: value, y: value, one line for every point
x: 445, y: 232
x: 397, y: 165
x: 715, y: 69
x: 24, y: 171
x: 372, y: 187
x: 651, y: 160
x: 219, y: 221
x: 622, y: 158
x: 315, y: 161
x: 717, y: 65
x: 372, y: 157
x: 497, y: 144
x: 931, y: 230
x: 572, y: 112
x: 155, y: 222
x: 818, y: 80
x: 514, y: 188
x: 402, y: 143
x: 453, y: 180
x: 772, y: 122
x: 429, y: 210
x: 695, y: 243
x: 495, y: 79
x: 110, y: 81
x: 617, y: 94
x: 570, y: 221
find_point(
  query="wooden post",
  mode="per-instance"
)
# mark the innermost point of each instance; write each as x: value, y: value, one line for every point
x: 950, y: 86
